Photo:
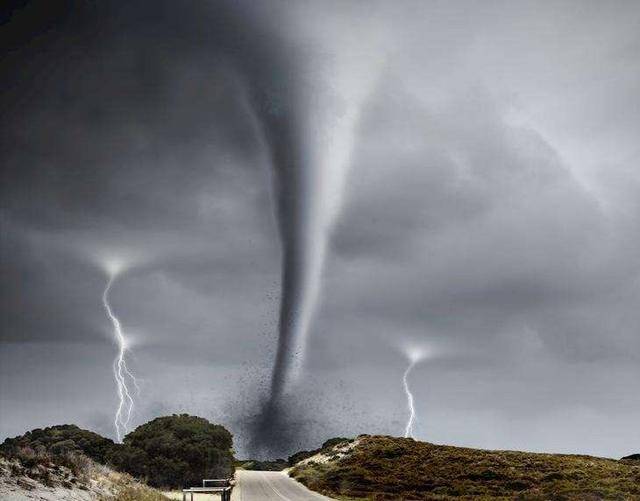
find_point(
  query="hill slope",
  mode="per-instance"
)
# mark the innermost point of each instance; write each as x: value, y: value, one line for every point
x: 387, y: 468
x: 42, y: 479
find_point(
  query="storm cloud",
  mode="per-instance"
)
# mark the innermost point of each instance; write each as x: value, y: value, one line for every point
x: 490, y: 213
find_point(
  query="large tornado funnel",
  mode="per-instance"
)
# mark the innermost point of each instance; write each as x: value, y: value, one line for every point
x: 308, y: 112
x: 306, y: 97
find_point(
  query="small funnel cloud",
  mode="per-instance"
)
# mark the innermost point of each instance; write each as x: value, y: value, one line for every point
x: 415, y: 354
x: 124, y: 378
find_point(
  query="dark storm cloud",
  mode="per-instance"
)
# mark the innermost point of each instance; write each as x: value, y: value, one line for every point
x: 114, y: 137
x: 491, y: 214
x: 125, y: 133
x: 120, y: 117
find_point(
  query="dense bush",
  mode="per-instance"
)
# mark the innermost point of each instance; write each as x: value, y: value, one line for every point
x: 61, y: 440
x: 175, y: 451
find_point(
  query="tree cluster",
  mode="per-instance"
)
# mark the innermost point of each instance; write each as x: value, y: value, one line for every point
x: 175, y: 451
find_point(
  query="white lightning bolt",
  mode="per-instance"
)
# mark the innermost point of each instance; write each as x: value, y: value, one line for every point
x: 408, y: 431
x: 121, y: 372
x: 415, y: 354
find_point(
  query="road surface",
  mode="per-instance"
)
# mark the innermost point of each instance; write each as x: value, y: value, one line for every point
x: 271, y: 486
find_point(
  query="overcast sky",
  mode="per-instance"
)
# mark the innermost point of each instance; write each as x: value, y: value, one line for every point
x: 491, y: 216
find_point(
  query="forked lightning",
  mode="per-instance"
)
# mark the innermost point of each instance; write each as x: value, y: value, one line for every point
x: 121, y: 372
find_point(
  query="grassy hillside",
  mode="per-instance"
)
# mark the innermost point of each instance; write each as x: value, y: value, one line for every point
x: 387, y: 468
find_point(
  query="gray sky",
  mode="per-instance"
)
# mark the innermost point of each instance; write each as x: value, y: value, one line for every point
x: 491, y: 215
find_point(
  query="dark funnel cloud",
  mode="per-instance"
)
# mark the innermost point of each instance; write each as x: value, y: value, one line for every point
x: 306, y: 102
x: 266, y: 66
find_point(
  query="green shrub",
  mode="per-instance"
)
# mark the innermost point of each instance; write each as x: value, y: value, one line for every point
x: 129, y: 459
x: 61, y: 440
x: 175, y: 451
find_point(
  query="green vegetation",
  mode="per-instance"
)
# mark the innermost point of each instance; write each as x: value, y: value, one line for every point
x: 125, y: 488
x: 67, y: 470
x: 254, y: 464
x: 59, y: 441
x: 386, y: 468
x: 180, y: 450
x: 59, y: 455
x: 175, y: 451
x: 136, y: 492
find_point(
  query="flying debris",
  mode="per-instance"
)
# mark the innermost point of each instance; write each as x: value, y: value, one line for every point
x: 121, y: 372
